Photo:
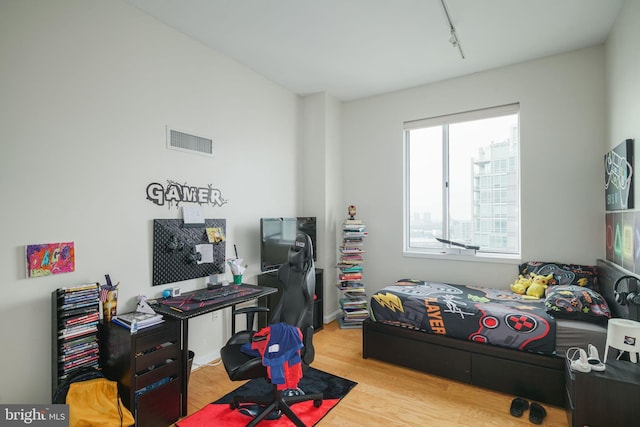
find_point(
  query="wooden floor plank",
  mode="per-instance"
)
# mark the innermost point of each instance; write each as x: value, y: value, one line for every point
x: 386, y: 395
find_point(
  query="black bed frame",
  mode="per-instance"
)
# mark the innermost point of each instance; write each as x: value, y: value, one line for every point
x: 533, y: 376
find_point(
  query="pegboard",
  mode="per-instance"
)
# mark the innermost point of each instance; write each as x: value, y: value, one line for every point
x: 173, y: 245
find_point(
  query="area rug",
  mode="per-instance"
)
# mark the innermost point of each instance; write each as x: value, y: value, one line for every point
x: 219, y: 413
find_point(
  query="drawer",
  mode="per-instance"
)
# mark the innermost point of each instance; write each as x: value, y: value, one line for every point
x: 150, y: 338
x: 146, y: 378
x: 157, y: 357
x: 439, y: 360
x: 519, y: 379
x: 159, y: 407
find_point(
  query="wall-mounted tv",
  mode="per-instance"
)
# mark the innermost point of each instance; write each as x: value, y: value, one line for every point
x: 277, y: 236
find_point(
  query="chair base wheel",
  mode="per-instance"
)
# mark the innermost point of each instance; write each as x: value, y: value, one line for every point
x: 317, y: 403
x: 234, y: 405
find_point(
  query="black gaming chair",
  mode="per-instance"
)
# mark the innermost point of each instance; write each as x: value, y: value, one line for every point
x: 296, y: 280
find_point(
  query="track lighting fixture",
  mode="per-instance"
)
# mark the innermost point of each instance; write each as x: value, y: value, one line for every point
x: 454, y: 40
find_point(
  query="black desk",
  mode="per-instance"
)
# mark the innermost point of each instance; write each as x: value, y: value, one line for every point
x: 183, y: 317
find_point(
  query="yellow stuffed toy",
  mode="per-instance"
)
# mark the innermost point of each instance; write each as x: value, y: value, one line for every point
x: 520, y: 286
x: 538, y: 286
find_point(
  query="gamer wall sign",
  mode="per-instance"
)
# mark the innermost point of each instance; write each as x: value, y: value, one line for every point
x: 175, y: 193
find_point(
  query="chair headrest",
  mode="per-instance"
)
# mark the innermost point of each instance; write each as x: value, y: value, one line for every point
x: 301, y: 253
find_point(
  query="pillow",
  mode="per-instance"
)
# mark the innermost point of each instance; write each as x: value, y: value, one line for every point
x: 564, y: 274
x: 578, y: 303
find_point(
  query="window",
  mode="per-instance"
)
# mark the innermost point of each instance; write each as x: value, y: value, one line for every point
x: 462, y: 182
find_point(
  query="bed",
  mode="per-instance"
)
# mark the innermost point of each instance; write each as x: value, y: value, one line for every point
x: 524, y: 358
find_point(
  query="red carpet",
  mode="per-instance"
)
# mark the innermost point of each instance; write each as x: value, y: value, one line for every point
x: 219, y: 413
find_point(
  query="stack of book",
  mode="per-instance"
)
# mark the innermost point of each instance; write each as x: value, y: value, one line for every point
x: 141, y: 320
x: 354, y: 302
x: 77, y: 314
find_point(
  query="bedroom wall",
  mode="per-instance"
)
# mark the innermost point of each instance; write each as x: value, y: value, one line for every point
x: 320, y: 128
x: 623, y: 84
x: 562, y: 101
x: 86, y: 90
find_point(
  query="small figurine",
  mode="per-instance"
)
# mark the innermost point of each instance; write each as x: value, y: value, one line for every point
x: 352, y: 211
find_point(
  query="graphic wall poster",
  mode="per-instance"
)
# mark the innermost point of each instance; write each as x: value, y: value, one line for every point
x: 622, y: 242
x: 50, y: 258
x: 618, y: 177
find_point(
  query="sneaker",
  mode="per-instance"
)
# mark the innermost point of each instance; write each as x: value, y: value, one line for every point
x: 594, y: 359
x: 578, y: 358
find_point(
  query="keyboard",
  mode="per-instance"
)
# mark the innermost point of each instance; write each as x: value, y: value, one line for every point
x: 209, y: 294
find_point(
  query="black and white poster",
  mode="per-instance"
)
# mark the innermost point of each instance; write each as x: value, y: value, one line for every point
x: 618, y: 177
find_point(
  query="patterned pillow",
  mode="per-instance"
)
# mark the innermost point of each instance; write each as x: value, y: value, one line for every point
x: 564, y: 274
x: 577, y: 302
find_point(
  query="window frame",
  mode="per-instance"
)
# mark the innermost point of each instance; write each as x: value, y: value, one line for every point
x: 453, y: 252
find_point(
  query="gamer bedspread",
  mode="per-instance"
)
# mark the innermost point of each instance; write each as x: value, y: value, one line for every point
x: 493, y: 316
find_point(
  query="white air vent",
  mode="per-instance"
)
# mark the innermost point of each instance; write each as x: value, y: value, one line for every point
x: 182, y: 141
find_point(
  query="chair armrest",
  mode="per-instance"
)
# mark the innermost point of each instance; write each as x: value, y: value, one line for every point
x: 250, y: 312
x: 244, y: 310
x: 308, y: 351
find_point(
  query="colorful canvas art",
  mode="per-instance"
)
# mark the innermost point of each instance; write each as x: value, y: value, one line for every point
x: 50, y: 258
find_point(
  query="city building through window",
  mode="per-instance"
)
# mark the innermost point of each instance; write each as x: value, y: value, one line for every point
x: 462, y: 183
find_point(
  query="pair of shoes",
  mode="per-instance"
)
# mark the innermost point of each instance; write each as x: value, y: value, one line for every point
x: 581, y: 362
x: 536, y: 411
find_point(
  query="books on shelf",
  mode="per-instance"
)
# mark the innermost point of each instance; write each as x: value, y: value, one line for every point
x: 353, y: 304
x: 142, y: 320
x: 76, y: 312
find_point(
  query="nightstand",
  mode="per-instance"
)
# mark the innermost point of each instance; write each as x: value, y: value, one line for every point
x: 604, y: 399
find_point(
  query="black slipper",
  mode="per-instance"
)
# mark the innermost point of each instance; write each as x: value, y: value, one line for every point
x: 518, y: 406
x: 537, y: 413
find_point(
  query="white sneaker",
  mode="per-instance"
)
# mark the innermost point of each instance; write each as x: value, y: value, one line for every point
x: 594, y: 360
x: 578, y: 358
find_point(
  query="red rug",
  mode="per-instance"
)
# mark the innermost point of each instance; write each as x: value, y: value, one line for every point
x: 219, y: 413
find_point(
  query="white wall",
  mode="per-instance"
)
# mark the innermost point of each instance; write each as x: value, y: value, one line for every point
x: 320, y: 124
x: 562, y: 129
x: 623, y: 83
x: 86, y: 90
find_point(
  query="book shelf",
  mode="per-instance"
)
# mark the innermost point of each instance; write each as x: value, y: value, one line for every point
x: 353, y: 302
x: 75, y: 315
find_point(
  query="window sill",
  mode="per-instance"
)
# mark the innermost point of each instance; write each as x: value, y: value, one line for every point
x: 453, y: 254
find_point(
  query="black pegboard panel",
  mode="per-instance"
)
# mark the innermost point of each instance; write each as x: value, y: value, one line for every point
x: 172, y: 245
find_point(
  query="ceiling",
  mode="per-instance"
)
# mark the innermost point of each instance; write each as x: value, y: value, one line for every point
x: 352, y: 49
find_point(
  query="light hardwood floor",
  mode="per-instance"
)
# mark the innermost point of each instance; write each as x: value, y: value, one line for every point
x: 386, y: 395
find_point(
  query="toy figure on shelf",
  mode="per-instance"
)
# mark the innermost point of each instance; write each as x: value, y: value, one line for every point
x: 352, y: 211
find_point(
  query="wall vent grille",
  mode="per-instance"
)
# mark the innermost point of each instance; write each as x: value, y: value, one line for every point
x: 187, y: 142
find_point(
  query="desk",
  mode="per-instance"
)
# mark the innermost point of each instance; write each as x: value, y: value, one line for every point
x: 175, y: 312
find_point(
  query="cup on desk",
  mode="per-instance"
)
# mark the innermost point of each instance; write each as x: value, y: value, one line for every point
x: 237, y: 279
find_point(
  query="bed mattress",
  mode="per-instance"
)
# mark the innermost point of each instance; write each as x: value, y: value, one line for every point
x: 492, y: 316
x: 577, y: 333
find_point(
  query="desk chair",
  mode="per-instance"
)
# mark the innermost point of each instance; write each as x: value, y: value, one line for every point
x: 296, y: 280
